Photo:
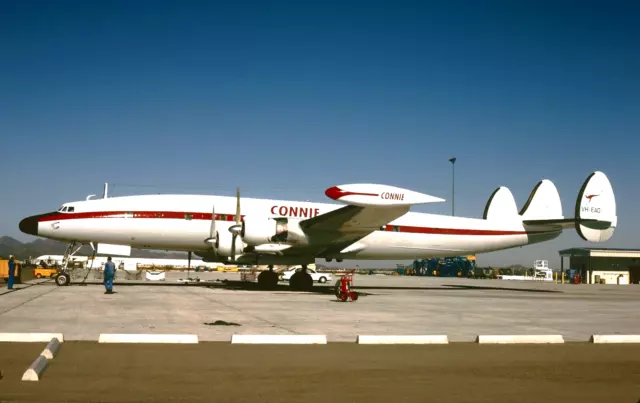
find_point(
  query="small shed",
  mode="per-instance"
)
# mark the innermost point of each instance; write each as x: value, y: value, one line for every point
x: 602, y: 265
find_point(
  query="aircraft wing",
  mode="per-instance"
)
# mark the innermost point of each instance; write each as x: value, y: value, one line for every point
x: 369, y: 208
x: 340, y: 228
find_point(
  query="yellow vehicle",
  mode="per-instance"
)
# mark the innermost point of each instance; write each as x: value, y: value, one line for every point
x: 226, y: 269
x: 40, y: 272
x: 4, y: 270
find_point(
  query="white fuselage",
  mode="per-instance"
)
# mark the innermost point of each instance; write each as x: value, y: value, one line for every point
x: 182, y: 223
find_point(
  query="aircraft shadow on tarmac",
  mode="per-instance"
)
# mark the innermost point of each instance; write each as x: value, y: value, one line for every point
x: 328, y: 289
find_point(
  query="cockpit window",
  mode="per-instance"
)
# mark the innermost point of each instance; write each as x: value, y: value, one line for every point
x: 70, y: 209
x: 66, y: 209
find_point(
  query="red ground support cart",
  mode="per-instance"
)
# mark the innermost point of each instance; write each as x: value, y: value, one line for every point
x: 344, y: 288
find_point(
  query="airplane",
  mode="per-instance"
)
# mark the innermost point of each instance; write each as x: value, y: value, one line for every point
x: 373, y: 222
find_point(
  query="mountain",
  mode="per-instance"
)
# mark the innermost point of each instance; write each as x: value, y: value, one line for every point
x: 23, y: 251
x: 10, y: 242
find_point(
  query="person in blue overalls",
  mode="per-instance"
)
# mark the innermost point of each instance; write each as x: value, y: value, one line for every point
x: 12, y: 273
x: 109, y: 275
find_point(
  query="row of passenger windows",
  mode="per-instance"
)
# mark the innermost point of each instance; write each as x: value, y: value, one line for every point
x: 128, y: 214
x: 187, y: 216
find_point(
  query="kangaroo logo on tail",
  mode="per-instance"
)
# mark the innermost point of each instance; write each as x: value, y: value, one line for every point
x: 590, y: 197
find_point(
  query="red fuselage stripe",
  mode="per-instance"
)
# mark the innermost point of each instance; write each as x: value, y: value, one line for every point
x: 176, y: 215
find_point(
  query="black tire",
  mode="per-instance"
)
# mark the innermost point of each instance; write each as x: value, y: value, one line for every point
x: 301, y: 282
x: 322, y: 280
x: 62, y: 279
x: 268, y: 279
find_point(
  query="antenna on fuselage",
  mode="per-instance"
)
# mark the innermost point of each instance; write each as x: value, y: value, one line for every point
x: 105, y: 194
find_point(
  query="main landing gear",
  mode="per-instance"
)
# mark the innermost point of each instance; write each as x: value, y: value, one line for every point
x: 301, y: 280
x: 268, y: 279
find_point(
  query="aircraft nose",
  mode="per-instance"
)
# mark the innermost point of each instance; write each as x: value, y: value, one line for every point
x: 29, y: 225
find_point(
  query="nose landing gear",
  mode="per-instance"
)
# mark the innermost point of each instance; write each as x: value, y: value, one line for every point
x: 63, y: 276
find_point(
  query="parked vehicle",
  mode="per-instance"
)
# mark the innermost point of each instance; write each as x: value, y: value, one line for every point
x: 316, y: 276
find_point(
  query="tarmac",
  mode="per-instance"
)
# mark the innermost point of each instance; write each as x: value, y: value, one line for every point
x: 221, y: 305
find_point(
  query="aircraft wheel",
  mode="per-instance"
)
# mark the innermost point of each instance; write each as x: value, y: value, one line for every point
x: 301, y: 282
x: 268, y: 279
x: 62, y: 279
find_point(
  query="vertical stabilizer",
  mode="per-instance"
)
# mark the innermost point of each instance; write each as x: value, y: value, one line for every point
x: 501, y: 206
x: 596, y: 203
x: 543, y: 203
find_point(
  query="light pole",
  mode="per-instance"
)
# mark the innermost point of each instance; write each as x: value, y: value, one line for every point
x: 453, y: 184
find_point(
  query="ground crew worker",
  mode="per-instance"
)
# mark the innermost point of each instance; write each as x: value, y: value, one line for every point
x: 12, y: 272
x: 109, y: 275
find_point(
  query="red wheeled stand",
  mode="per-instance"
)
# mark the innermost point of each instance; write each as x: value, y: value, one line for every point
x: 346, y: 291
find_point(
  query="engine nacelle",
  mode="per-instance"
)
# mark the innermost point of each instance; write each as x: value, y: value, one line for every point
x: 259, y: 231
x: 225, y: 243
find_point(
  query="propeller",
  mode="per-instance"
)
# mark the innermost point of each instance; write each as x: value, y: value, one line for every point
x: 189, y: 265
x: 237, y: 227
x: 213, y: 235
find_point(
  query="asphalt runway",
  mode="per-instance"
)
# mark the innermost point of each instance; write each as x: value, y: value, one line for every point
x: 337, y: 372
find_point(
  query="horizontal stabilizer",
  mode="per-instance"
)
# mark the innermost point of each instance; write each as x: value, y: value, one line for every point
x: 564, y: 223
x: 366, y: 194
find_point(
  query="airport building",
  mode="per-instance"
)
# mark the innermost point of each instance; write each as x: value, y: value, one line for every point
x: 601, y: 266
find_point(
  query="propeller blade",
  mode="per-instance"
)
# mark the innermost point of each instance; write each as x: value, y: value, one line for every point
x: 237, y: 227
x: 238, y: 216
x: 212, y: 230
x: 233, y: 248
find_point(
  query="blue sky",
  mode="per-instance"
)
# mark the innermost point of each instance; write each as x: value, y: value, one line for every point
x: 285, y: 99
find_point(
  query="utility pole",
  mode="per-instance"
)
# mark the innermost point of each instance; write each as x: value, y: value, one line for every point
x: 453, y: 184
